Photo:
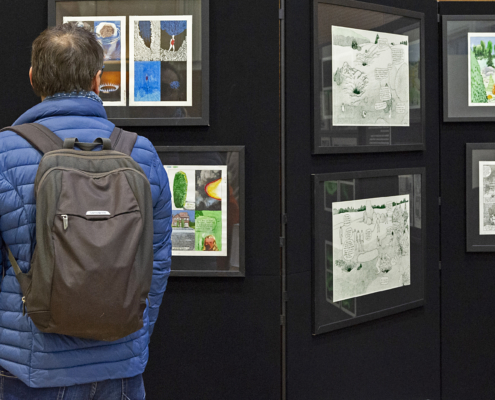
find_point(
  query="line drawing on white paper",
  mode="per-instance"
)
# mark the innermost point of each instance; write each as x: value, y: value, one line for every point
x: 160, y: 60
x: 111, y: 34
x: 370, y: 78
x: 487, y: 197
x: 371, y: 246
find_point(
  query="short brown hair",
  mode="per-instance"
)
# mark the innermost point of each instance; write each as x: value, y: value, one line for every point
x: 65, y: 58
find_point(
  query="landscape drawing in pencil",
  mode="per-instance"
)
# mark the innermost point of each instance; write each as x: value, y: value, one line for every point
x: 370, y: 72
x: 371, y: 246
x: 487, y: 197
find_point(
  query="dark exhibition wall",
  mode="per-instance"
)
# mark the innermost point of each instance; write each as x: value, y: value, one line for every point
x: 467, y: 277
x: 215, y: 338
x: 396, y: 357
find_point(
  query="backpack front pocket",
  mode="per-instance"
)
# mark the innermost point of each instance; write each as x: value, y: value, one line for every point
x: 96, y: 237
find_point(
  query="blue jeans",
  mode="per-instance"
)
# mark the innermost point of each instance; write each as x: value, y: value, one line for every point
x: 11, y: 388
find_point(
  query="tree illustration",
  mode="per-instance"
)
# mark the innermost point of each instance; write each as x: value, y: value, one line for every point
x: 478, y: 91
x: 377, y: 37
x: 489, y: 48
x: 483, y: 48
x: 491, y: 84
x: 174, y: 28
x: 354, y: 44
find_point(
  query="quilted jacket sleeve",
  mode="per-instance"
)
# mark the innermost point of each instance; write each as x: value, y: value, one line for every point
x: 162, y: 246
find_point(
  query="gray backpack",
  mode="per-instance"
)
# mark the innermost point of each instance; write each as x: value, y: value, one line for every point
x: 92, y: 265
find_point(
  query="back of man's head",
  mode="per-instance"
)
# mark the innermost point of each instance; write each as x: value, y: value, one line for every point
x: 65, y: 58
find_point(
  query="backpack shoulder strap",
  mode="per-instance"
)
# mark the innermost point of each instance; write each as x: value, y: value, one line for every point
x: 123, y: 141
x: 38, y: 136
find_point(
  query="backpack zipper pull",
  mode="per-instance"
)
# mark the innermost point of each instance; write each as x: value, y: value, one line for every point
x: 65, y: 218
x: 23, y: 305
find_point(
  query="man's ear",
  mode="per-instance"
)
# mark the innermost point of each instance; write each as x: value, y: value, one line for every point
x: 31, y: 75
x: 95, y: 85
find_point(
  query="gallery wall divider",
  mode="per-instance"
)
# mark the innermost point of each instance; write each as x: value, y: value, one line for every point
x: 361, y: 203
x: 467, y: 141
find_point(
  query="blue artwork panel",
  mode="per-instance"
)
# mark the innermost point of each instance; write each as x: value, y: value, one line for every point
x: 147, y: 80
x: 108, y: 34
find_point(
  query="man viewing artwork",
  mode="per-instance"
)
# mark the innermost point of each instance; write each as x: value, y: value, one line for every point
x: 66, y: 72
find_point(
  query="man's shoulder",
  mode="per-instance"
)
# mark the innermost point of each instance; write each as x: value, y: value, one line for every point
x: 145, y: 155
x: 144, y: 152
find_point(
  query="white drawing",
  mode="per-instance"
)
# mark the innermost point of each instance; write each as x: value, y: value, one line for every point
x: 371, y: 246
x: 370, y: 78
x: 487, y: 197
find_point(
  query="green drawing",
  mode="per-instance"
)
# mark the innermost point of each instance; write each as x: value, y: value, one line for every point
x: 478, y: 91
x: 208, y: 231
x: 180, y: 189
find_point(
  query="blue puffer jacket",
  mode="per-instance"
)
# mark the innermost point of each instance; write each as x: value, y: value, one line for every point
x: 47, y: 360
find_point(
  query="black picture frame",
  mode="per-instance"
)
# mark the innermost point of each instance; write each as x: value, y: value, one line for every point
x: 455, y: 75
x: 366, y: 139
x: 232, y: 264
x: 153, y: 116
x: 328, y: 315
x: 475, y: 153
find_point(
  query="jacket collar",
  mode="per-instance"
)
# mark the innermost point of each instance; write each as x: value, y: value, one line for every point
x: 64, y: 106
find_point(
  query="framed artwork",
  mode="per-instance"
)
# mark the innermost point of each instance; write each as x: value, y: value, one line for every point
x: 480, y: 197
x: 368, y: 245
x: 207, y: 186
x: 368, y: 86
x: 156, y: 57
x: 468, y: 67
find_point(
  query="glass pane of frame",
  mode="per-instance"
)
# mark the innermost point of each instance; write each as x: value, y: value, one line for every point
x: 368, y: 246
x: 480, y: 197
x: 368, y: 92
x: 207, y: 186
x: 468, y: 92
x: 156, y: 57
